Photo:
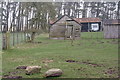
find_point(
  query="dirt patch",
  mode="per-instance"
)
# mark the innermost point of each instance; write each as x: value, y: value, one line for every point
x: 87, y: 62
x: 81, y: 69
x: 21, y: 67
x: 71, y: 61
x: 16, y: 71
x: 12, y: 77
x: 113, y: 42
x: 35, y: 42
x: 14, y: 74
x: 111, y: 71
x: 92, y: 64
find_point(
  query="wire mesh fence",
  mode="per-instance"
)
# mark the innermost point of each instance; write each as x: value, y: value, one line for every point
x: 16, y: 38
x: 0, y: 41
x: 92, y: 35
x: 10, y: 39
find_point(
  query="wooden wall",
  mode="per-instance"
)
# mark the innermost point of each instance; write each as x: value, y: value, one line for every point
x: 58, y: 30
x: 111, y: 31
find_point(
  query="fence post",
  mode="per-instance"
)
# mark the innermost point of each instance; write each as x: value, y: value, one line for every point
x: 7, y: 40
x: 0, y: 41
x: 3, y: 42
x: 17, y: 36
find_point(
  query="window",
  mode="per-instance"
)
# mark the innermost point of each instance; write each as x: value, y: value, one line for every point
x: 77, y: 29
x: 95, y: 27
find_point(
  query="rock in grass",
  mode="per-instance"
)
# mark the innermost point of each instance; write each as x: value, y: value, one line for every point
x: 32, y: 70
x: 53, y: 73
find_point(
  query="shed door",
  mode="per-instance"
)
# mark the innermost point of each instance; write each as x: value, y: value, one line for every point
x: 69, y: 31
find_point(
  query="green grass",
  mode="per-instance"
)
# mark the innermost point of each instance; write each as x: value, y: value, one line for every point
x: 98, y: 51
x: 92, y: 35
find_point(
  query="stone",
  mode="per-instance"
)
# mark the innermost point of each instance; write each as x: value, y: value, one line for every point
x: 53, y: 73
x: 32, y: 70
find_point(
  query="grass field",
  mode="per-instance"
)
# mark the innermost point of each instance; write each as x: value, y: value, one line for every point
x: 90, y: 57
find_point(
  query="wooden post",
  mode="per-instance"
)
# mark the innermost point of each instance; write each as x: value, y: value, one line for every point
x: 7, y: 40
x: 65, y: 30
x: 13, y: 36
x: 0, y: 41
x: 33, y: 36
x: 88, y: 27
x: 25, y: 36
x: 3, y: 41
x: 72, y: 36
x: 17, y: 36
x: 21, y: 36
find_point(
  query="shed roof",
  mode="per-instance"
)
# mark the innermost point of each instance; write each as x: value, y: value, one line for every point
x: 80, y: 20
x: 111, y: 21
x: 54, y: 21
x: 87, y: 20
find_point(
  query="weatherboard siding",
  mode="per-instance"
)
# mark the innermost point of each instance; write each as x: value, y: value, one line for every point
x: 58, y: 29
x: 111, y: 31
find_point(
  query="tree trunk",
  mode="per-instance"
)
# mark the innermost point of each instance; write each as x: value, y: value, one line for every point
x: 118, y: 11
x: 33, y: 36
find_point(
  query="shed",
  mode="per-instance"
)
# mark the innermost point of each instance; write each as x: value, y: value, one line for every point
x: 111, y: 28
x: 65, y: 28
x: 90, y: 24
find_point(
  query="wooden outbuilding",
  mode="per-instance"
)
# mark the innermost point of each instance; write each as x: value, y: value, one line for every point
x: 65, y: 28
x: 111, y: 28
x: 90, y: 24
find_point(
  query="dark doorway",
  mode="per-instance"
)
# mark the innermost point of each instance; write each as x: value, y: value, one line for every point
x: 84, y: 27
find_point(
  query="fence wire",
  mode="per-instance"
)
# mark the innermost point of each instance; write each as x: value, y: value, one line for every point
x: 0, y: 41
x: 12, y: 38
x: 92, y: 35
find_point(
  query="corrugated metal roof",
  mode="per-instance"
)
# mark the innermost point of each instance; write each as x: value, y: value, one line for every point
x: 112, y: 21
x: 87, y: 20
x: 54, y: 21
x: 82, y: 20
